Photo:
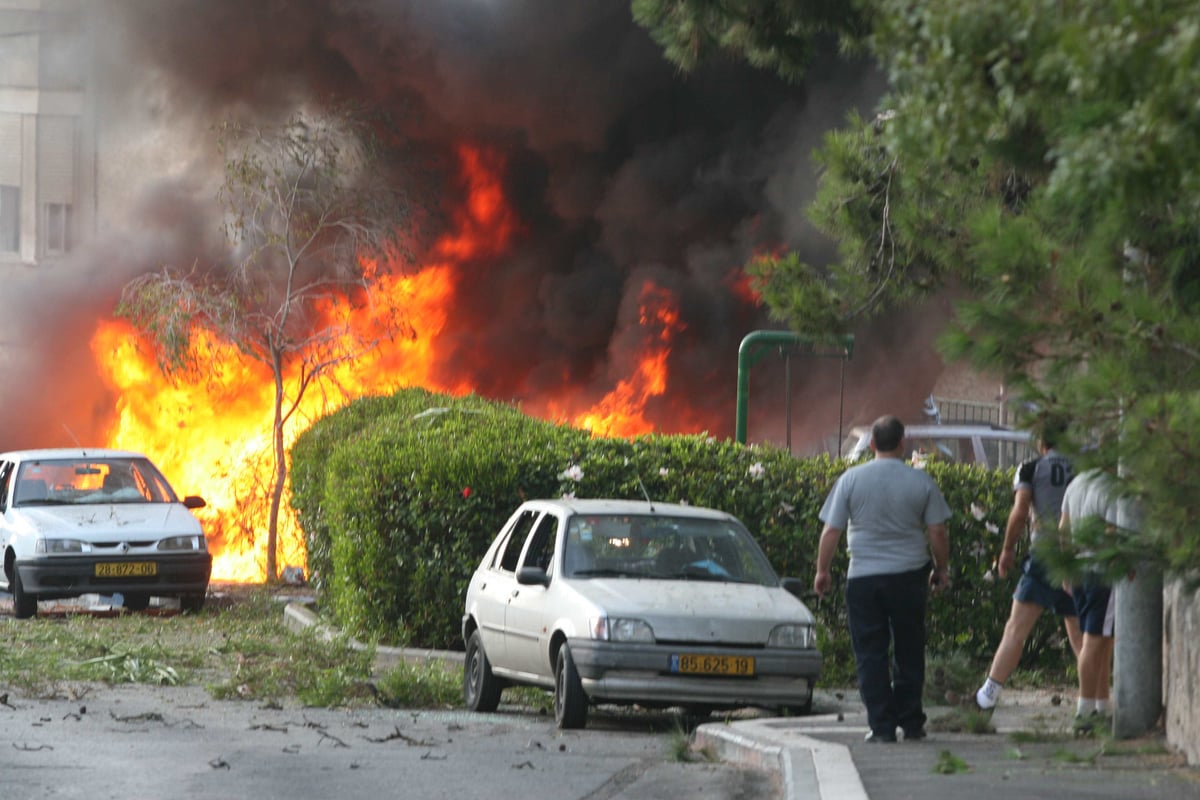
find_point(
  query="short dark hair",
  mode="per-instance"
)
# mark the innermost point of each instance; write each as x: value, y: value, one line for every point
x: 887, y: 433
x: 1051, y: 430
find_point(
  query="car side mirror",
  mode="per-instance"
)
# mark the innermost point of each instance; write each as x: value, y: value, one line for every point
x: 532, y: 576
x: 194, y: 501
x: 795, y: 587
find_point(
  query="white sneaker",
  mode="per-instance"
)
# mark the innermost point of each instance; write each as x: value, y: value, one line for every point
x: 984, y: 702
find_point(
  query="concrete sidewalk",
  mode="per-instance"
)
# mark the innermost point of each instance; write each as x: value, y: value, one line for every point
x: 1031, y: 753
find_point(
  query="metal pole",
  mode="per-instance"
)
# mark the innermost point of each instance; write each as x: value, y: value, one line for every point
x: 751, y: 349
x: 1137, y: 648
x: 841, y: 406
x: 787, y: 399
x: 1138, y: 631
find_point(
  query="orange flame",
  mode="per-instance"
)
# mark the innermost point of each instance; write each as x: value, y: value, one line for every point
x: 211, y: 434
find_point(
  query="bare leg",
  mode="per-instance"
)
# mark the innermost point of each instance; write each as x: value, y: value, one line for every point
x: 1104, y: 668
x: 1074, y: 634
x: 1021, y: 620
x: 1090, y: 658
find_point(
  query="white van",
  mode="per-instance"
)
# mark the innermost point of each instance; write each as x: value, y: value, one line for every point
x: 991, y: 446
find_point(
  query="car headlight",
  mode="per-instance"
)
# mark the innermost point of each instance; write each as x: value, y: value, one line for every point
x: 620, y: 629
x: 59, y: 546
x: 802, y: 636
x: 189, y: 543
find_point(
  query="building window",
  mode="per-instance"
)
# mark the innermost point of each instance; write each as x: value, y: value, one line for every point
x: 57, y: 225
x: 10, y: 219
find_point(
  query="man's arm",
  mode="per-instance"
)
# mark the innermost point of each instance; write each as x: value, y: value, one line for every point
x: 939, y: 547
x: 825, y: 550
x: 1017, y: 518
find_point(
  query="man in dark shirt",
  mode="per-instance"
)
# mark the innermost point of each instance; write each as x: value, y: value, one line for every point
x: 1039, y: 486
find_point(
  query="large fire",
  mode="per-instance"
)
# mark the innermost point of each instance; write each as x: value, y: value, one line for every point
x: 212, y: 435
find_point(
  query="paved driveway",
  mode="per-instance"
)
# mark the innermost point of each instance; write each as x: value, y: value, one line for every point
x: 136, y: 741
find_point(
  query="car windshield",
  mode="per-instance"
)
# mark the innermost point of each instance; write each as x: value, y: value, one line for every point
x: 87, y: 481
x: 664, y: 547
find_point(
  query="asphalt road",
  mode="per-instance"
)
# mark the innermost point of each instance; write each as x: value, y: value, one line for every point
x: 137, y: 741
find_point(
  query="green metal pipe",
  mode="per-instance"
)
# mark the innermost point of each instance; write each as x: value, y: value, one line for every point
x: 757, y: 343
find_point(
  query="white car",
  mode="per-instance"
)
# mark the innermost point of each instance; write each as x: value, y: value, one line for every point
x: 990, y: 446
x: 630, y: 602
x: 80, y: 521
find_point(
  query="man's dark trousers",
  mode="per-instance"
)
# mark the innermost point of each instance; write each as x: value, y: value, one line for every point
x: 887, y: 613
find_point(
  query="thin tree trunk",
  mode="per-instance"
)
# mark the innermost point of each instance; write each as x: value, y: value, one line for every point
x: 280, y: 472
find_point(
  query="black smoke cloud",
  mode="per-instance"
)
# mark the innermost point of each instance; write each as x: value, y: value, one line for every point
x: 620, y: 168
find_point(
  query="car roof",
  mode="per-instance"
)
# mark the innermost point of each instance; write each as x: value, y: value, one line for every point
x: 616, y: 506
x: 860, y: 436
x: 47, y: 454
x: 987, y: 431
x: 954, y: 429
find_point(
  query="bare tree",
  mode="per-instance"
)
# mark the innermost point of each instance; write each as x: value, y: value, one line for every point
x: 309, y: 212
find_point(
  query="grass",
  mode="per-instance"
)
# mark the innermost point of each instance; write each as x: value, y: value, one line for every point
x: 236, y: 650
x: 950, y: 764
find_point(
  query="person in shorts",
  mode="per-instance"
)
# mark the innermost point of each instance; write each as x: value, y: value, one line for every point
x: 1092, y: 494
x: 1038, y: 489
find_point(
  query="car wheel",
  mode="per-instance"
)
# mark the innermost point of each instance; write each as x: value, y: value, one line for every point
x: 481, y: 689
x: 137, y: 601
x: 24, y: 605
x: 798, y: 711
x: 570, y: 703
x: 191, y: 603
x: 696, y: 714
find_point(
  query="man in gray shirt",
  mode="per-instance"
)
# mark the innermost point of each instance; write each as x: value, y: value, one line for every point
x: 895, y: 515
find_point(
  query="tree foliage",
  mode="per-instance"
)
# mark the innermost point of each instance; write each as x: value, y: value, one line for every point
x: 1042, y: 155
x: 309, y: 211
x: 401, y: 496
x: 777, y: 35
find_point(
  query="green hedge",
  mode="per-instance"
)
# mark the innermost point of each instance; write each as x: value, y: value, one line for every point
x: 399, y: 498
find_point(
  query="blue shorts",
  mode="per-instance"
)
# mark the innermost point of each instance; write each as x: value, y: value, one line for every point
x: 1035, y: 587
x: 1094, y: 605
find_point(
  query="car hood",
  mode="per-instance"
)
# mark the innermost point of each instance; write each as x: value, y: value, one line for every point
x: 115, y: 521
x: 697, y: 611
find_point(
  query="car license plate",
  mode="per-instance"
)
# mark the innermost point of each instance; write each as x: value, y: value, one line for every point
x: 125, y: 569
x: 693, y: 664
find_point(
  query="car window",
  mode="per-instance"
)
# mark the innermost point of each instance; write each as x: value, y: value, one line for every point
x: 510, y: 551
x: 6, y: 473
x: 941, y: 448
x: 540, y: 550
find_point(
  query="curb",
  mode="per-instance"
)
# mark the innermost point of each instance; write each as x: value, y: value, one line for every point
x: 298, y: 617
x: 808, y: 768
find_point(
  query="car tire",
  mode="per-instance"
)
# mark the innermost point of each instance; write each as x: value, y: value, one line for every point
x: 24, y: 605
x: 481, y: 689
x: 137, y: 601
x: 191, y: 603
x: 696, y: 714
x: 798, y: 711
x: 570, y: 703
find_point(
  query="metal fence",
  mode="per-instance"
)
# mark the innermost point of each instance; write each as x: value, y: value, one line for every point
x: 945, y: 410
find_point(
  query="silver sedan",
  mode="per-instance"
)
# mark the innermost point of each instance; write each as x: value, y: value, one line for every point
x: 630, y: 602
